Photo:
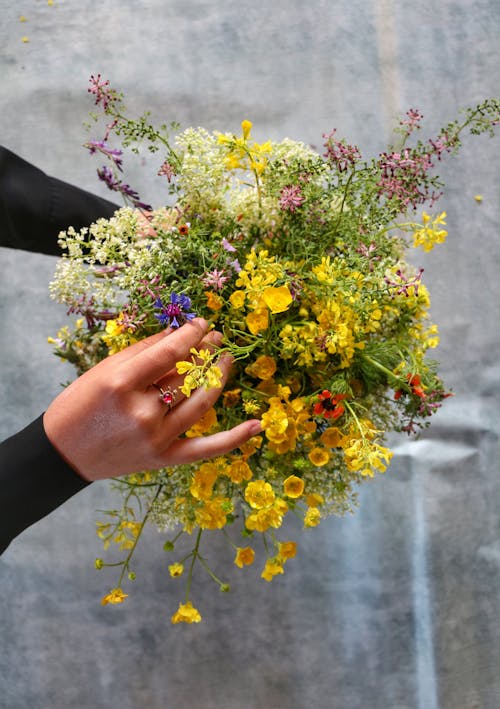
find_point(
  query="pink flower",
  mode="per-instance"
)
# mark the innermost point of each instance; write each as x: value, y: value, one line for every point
x: 291, y: 198
x: 215, y: 279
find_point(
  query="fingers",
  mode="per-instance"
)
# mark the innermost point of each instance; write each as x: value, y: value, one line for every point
x: 153, y: 362
x: 189, y: 450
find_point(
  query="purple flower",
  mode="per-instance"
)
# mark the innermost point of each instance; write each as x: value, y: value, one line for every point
x: 101, y: 146
x: 227, y: 245
x: 291, y: 198
x: 109, y: 178
x: 174, y: 314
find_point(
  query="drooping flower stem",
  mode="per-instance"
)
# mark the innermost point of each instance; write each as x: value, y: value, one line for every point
x: 126, y: 562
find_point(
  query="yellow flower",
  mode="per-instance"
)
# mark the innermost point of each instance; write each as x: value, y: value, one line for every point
x: 429, y: 234
x: 244, y: 556
x: 277, y: 299
x: 314, y: 499
x: 319, y: 456
x: 116, y: 595
x: 259, y: 494
x: 204, y: 424
x: 249, y: 447
x: 262, y: 520
x: 213, y: 514
x: 231, y: 397
x: 186, y: 613
x: 214, y: 301
x: 246, y: 127
x: 312, y: 517
x: 478, y: 198
x: 176, y: 570
x: 257, y: 320
x: 293, y: 486
x: 264, y: 367
x: 287, y: 550
x: 203, y: 481
x: 332, y: 437
x: 237, y: 299
x: 238, y: 471
x: 271, y: 569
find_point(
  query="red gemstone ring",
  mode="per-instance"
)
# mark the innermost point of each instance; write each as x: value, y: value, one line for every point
x: 167, y: 396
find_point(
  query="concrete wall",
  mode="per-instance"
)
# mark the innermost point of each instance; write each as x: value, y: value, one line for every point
x: 396, y: 607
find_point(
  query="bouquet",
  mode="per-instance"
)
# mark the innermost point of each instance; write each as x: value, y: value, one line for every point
x: 299, y: 258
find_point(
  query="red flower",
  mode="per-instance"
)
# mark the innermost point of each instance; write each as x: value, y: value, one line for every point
x: 329, y: 406
x: 183, y: 229
x: 414, y: 383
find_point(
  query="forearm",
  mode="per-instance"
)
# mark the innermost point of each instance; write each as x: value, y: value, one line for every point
x: 34, y: 480
x: 35, y: 207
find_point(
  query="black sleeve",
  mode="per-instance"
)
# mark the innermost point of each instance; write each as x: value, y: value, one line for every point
x: 34, y: 207
x: 34, y: 480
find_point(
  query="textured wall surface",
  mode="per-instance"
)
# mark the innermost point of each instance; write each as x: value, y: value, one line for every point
x: 397, y: 607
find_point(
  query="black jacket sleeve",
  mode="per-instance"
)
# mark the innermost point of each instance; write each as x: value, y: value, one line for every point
x: 34, y: 208
x: 34, y: 480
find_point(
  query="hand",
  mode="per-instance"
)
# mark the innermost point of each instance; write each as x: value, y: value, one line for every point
x: 111, y: 421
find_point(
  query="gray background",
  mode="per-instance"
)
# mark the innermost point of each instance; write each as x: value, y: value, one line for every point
x: 395, y: 607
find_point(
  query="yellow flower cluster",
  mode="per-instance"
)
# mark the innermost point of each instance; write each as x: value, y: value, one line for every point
x: 201, y: 371
x: 429, y: 234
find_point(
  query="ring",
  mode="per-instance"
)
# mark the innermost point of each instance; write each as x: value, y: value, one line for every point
x: 167, y: 396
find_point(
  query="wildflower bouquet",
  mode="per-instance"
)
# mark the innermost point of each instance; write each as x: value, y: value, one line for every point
x: 298, y: 257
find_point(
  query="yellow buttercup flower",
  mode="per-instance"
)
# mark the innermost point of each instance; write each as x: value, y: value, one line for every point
x: 272, y: 568
x: 264, y: 367
x: 238, y: 471
x: 312, y: 517
x: 237, y: 298
x: 259, y: 494
x: 332, y: 437
x: 319, y: 456
x: 244, y: 556
x: 214, y: 301
x: 213, y: 513
x: 314, y: 499
x: 203, y: 481
x: 186, y: 613
x: 176, y: 570
x: 293, y: 486
x: 277, y: 299
x: 257, y: 321
x: 287, y: 550
x: 116, y: 595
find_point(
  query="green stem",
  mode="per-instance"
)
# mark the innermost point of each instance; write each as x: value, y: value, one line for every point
x: 195, y: 553
x: 139, y: 533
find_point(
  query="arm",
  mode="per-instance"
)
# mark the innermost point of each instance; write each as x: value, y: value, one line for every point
x: 34, y: 207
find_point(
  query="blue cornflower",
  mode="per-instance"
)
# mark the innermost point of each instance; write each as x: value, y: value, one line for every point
x: 175, y: 313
